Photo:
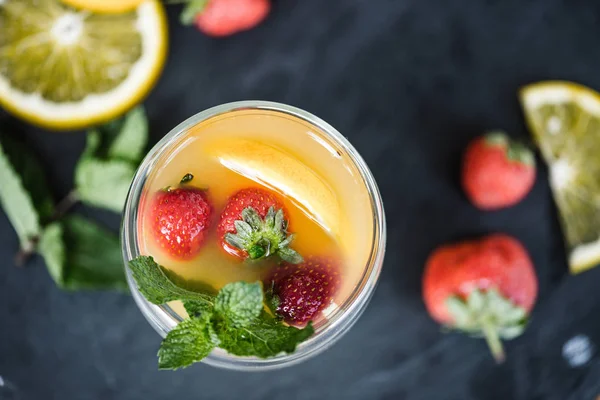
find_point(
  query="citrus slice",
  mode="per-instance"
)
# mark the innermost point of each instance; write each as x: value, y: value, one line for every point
x: 564, y: 118
x: 66, y: 69
x: 280, y: 171
x: 105, y: 6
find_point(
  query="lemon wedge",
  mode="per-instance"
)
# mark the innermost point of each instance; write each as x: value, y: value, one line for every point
x: 62, y: 68
x: 564, y: 118
x: 281, y: 171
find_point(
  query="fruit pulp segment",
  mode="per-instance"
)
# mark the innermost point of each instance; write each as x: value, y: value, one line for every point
x: 325, y: 197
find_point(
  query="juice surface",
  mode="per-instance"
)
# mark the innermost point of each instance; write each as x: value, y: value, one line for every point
x: 327, y: 203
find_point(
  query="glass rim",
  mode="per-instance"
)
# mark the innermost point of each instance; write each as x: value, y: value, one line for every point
x: 163, y: 318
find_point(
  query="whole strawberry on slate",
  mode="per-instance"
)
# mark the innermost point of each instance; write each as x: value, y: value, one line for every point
x: 483, y: 287
x: 220, y: 18
x: 497, y: 172
x: 254, y: 225
x: 298, y: 293
x: 179, y: 219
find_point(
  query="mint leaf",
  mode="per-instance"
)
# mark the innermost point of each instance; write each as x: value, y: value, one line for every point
x: 187, y: 343
x: 262, y: 337
x: 18, y: 204
x: 190, y: 10
x: 154, y: 283
x: 104, y: 184
x: 52, y: 249
x: 130, y: 141
x: 93, y: 256
x: 33, y: 175
x: 197, y: 308
x: 107, y: 166
x: 240, y: 303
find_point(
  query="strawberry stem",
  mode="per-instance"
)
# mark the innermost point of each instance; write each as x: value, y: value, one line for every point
x: 493, y: 341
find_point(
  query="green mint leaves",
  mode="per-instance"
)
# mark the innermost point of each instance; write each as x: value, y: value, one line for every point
x: 106, y: 168
x: 79, y: 254
x: 234, y: 319
x: 262, y: 238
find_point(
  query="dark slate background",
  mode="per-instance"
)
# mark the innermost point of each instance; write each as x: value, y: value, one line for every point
x: 409, y: 82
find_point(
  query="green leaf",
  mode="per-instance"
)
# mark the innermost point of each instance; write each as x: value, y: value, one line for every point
x: 263, y: 237
x: 290, y: 255
x: 106, y: 168
x: 154, y: 283
x: 52, y: 249
x: 240, y: 303
x: 104, y: 184
x: 190, y: 10
x: 132, y: 137
x: 33, y: 175
x: 263, y: 337
x: 93, y: 259
x: 186, y: 344
x: 197, y: 308
x: 18, y: 204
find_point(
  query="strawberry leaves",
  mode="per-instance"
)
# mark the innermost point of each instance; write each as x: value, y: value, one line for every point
x: 488, y: 314
x: 263, y: 237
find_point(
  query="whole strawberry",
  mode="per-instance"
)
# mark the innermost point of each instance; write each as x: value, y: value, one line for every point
x: 179, y: 220
x: 225, y: 17
x: 298, y: 293
x: 483, y: 287
x: 254, y: 225
x: 497, y: 172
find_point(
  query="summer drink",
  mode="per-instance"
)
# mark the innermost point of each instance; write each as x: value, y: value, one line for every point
x: 261, y: 195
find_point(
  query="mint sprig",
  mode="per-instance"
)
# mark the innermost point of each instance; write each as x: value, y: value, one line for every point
x: 234, y: 320
x: 78, y: 253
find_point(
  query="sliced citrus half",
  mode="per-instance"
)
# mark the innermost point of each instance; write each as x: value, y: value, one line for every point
x: 104, y: 6
x: 281, y: 171
x: 62, y: 68
x: 564, y: 118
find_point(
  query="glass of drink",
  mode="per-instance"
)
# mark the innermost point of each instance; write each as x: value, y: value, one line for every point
x: 293, y: 161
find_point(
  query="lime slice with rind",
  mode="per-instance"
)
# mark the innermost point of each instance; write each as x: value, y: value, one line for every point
x: 65, y: 69
x: 564, y: 118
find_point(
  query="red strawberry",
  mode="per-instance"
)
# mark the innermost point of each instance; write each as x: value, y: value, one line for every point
x: 300, y: 292
x: 179, y: 220
x: 482, y: 287
x: 226, y: 17
x: 253, y: 225
x: 497, y: 172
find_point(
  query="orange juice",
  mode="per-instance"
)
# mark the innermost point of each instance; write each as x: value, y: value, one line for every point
x: 326, y: 201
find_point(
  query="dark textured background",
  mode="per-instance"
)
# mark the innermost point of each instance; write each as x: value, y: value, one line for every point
x: 409, y: 82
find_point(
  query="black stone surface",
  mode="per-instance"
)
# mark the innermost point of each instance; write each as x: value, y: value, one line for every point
x: 409, y: 82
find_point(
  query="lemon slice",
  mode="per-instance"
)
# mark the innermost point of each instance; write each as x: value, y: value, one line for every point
x: 565, y: 121
x: 104, y: 6
x: 277, y: 169
x: 65, y: 69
